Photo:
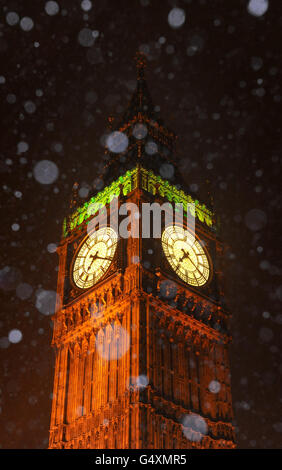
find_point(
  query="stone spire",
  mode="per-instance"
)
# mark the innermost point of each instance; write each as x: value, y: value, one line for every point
x: 150, y: 142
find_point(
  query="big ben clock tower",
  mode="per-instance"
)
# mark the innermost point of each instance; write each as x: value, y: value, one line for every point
x: 140, y: 329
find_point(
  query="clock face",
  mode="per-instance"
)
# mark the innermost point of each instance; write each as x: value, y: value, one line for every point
x: 94, y: 257
x: 186, y: 255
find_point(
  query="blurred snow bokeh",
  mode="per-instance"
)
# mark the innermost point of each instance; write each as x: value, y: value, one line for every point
x: 257, y: 7
x: 45, y: 172
x: 194, y: 427
x: 117, y: 142
x: 214, y: 73
x: 176, y: 17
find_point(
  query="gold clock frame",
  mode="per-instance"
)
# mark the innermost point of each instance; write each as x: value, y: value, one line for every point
x: 77, y: 250
x: 206, y: 253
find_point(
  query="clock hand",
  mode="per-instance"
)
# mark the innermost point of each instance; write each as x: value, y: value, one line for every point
x: 101, y: 257
x: 186, y: 255
x: 190, y: 259
x: 94, y: 257
x: 196, y: 266
x: 180, y: 260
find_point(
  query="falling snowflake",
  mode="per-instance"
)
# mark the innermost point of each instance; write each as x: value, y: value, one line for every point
x: 86, y: 5
x: 9, y: 278
x: 52, y: 247
x: 257, y: 7
x: 15, y: 227
x: 142, y: 381
x: 46, y: 301
x: 24, y: 290
x: 45, y: 172
x: 12, y: 18
x: 255, y: 219
x: 151, y: 148
x: 117, y: 142
x: 167, y: 170
x: 86, y: 37
x: 140, y: 131
x: 194, y: 427
x: 176, y: 17
x: 52, y: 8
x: 30, y: 107
x: 22, y: 147
x: 15, y: 336
x: 214, y: 386
x: 26, y: 23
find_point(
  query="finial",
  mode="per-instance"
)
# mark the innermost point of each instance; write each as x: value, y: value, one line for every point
x: 210, y: 195
x: 110, y: 122
x: 141, y: 64
x: 74, y: 196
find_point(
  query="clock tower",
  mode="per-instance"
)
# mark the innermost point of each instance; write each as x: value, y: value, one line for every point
x: 141, y: 329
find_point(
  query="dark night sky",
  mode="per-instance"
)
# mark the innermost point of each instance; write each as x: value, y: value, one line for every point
x: 217, y: 80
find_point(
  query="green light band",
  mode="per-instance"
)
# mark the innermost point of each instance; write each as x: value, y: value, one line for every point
x: 150, y: 183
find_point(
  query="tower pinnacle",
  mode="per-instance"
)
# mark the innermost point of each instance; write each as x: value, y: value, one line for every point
x: 155, y: 139
x: 141, y: 64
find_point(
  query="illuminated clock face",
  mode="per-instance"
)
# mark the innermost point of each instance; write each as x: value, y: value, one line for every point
x: 186, y: 255
x: 94, y: 257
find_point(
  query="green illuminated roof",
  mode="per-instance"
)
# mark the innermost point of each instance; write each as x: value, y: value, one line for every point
x: 147, y: 181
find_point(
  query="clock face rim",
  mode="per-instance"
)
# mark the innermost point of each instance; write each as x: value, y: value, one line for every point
x: 173, y: 265
x: 77, y: 251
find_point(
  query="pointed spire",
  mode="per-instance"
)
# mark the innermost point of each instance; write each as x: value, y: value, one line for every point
x: 74, y: 196
x: 141, y: 101
x: 110, y: 123
x: 156, y: 140
x: 141, y: 64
